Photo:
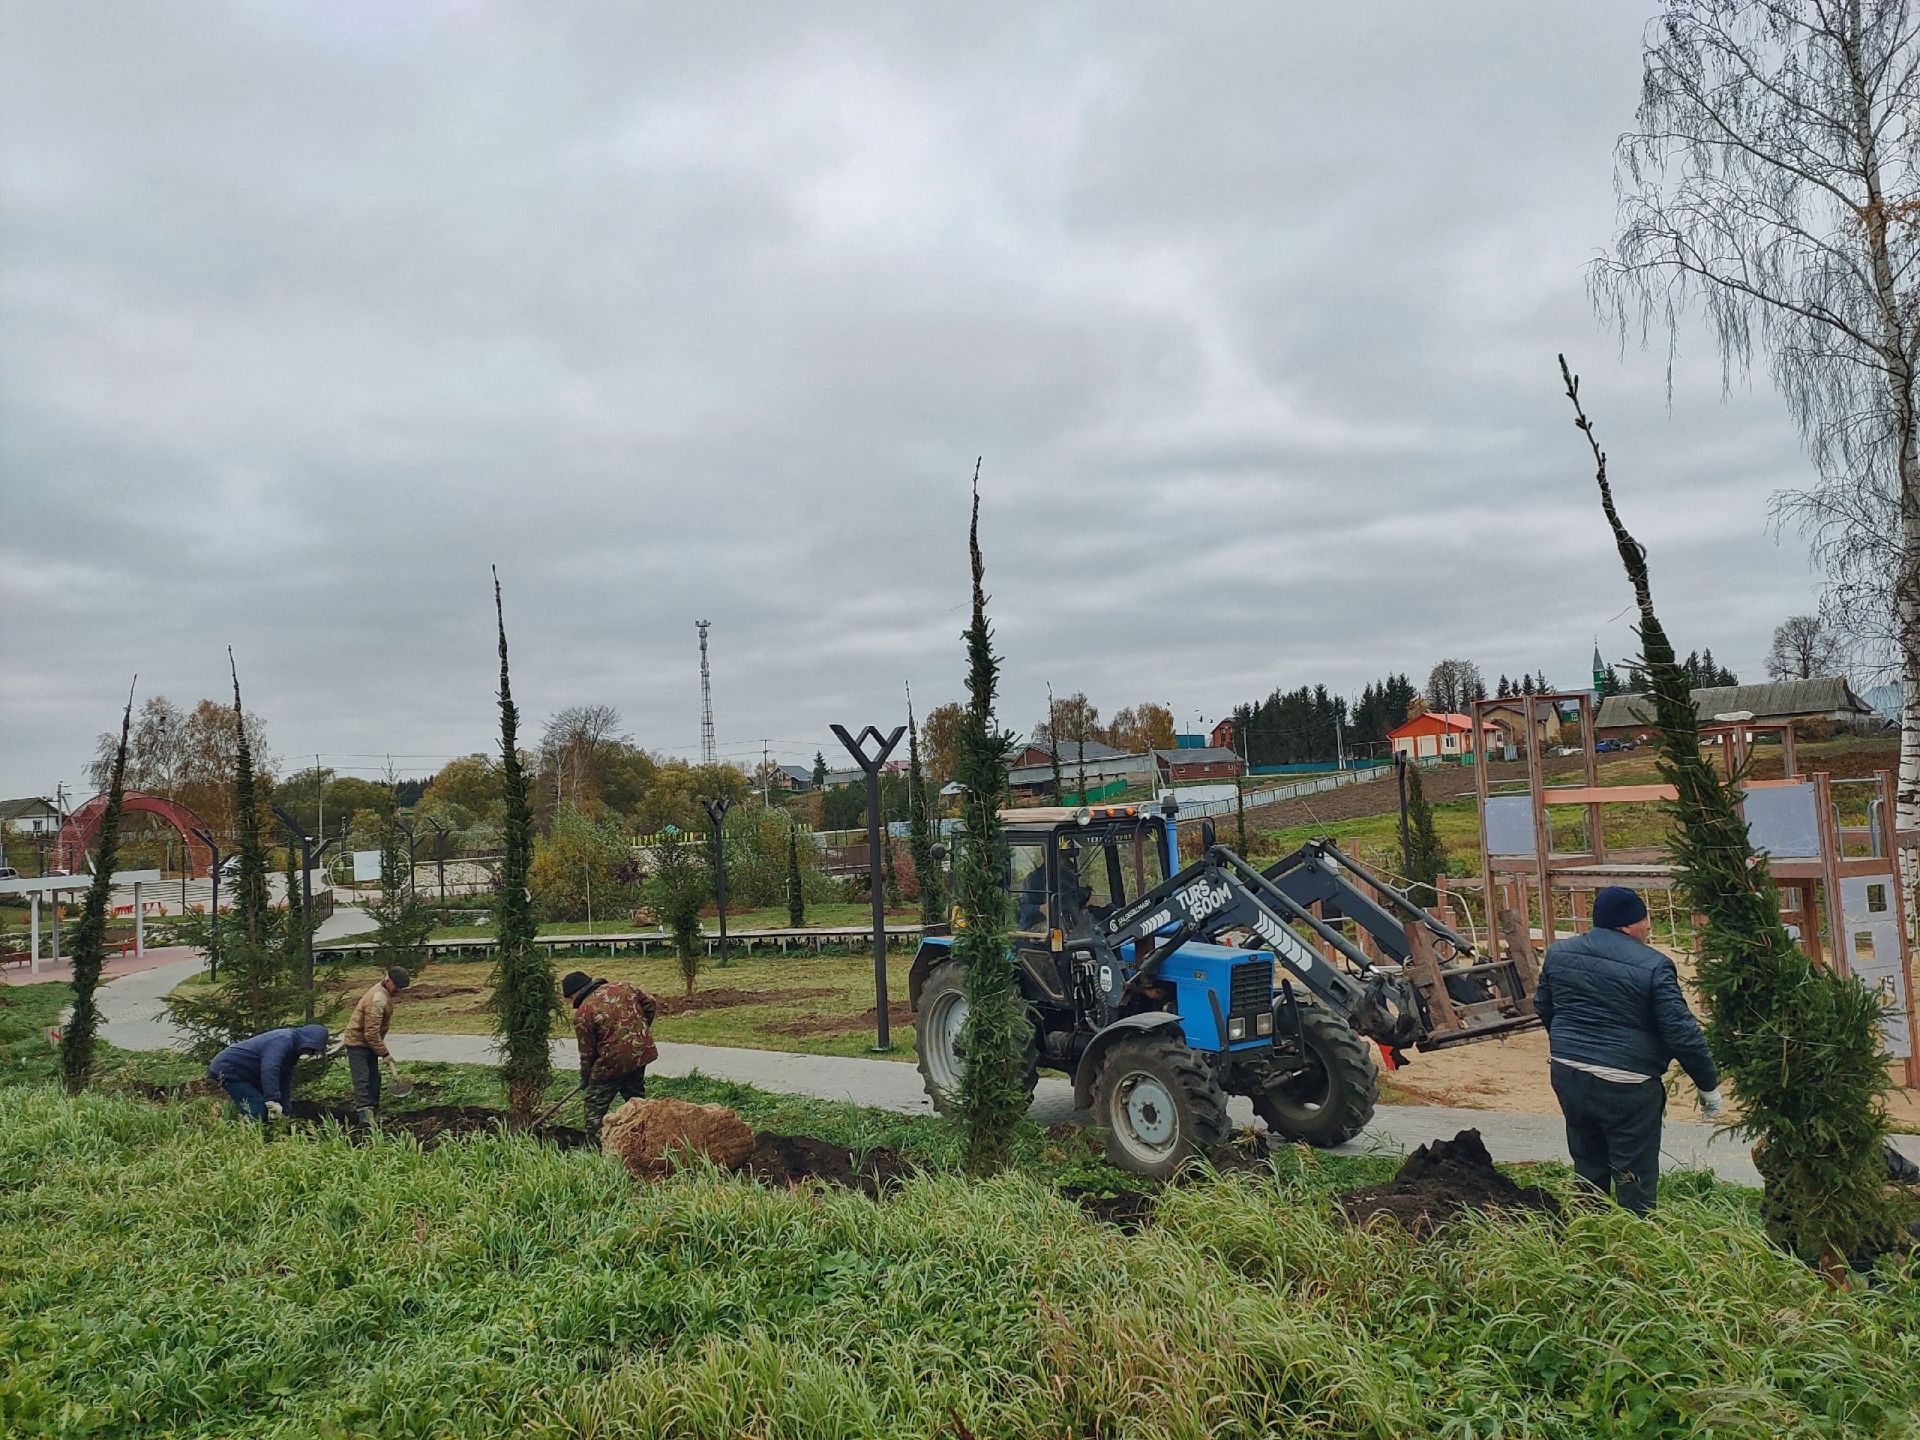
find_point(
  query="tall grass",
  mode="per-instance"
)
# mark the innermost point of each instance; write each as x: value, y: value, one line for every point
x: 163, y: 1271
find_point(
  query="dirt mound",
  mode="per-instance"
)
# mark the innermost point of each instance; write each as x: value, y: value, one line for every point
x: 899, y: 1013
x: 794, y: 1159
x: 1128, y: 1210
x: 647, y: 1136
x: 724, y: 998
x: 432, y: 1125
x: 1438, y: 1182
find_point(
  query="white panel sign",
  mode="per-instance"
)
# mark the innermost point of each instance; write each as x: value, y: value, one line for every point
x: 366, y: 865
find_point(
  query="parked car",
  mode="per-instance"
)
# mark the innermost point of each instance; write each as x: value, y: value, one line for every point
x: 7, y: 872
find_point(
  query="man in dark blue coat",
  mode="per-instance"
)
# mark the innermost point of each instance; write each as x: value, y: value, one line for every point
x: 1615, y: 1020
x: 258, y: 1073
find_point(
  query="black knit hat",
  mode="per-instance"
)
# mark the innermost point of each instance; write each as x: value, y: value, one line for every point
x: 575, y: 982
x: 400, y: 978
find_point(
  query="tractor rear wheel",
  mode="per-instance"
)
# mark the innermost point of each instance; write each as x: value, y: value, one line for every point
x: 1159, y: 1104
x: 936, y: 1037
x: 1332, y: 1099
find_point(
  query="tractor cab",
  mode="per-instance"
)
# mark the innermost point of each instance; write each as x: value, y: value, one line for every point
x: 1071, y: 868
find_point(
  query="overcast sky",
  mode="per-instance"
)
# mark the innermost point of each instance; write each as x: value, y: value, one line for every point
x: 309, y: 313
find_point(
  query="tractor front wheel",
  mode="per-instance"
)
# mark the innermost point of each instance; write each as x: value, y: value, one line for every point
x: 1159, y: 1104
x: 1332, y: 1099
x: 936, y: 1037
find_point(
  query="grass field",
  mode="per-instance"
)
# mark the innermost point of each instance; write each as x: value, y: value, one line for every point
x: 165, y: 1272
x: 810, y: 1004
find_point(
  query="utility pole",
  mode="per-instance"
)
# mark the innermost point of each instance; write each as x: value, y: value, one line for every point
x: 213, y: 914
x: 1339, y: 744
x: 308, y: 854
x: 319, y: 798
x: 766, y: 774
x: 1406, y: 837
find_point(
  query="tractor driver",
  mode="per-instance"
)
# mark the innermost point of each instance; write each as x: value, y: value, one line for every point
x: 1031, y: 910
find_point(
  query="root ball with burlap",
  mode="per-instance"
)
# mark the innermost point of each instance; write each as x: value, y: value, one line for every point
x: 650, y: 1136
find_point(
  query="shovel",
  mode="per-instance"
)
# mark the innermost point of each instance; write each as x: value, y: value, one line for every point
x: 400, y: 1086
x: 552, y: 1110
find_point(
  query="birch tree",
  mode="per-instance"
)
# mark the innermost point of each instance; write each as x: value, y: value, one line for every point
x: 1771, y: 186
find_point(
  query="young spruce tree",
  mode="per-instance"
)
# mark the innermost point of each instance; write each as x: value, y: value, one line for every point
x: 926, y: 871
x: 796, y: 890
x: 90, y: 935
x: 523, y: 1000
x: 681, y: 886
x: 262, y: 980
x: 998, y: 1031
x: 1801, y: 1044
x: 1426, y: 855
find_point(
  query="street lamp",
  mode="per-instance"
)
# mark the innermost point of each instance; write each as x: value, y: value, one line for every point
x: 309, y: 852
x: 213, y: 929
x: 871, y: 763
x: 716, y: 809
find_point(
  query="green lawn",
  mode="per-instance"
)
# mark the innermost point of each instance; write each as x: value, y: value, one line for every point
x: 818, y: 1005
x: 164, y: 1272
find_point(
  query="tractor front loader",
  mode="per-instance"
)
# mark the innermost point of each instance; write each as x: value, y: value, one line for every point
x: 1161, y: 994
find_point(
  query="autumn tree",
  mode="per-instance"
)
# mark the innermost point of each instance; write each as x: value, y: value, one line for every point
x: 1452, y: 685
x: 1068, y: 719
x: 90, y: 935
x: 941, y: 734
x: 1136, y: 729
x: 1803, y: 648
x: 1772, y: 186
x: 573, y: 751
x: 522, y: 999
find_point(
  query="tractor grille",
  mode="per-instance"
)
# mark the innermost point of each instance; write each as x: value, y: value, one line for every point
x: 1252, y: 992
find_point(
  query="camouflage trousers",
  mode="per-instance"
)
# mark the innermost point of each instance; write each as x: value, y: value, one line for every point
x: 605, y: 1092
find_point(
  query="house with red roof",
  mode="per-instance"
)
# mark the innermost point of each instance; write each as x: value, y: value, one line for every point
x: 1433, y: 734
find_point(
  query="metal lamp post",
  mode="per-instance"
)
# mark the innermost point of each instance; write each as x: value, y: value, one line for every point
x: 213, y: 928
x: 717, y: 812
x: 439, y: 854
x: 309, y: 852
x: 876, y: 883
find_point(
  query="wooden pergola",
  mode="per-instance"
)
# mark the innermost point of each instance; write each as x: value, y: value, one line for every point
x: 1840, y: 883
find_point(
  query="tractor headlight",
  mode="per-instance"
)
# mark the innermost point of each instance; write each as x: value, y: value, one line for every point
x: 1237, y: 1028
x: 1263, y: 1023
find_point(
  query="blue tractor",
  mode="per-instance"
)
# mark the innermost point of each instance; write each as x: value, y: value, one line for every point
x: 1161, y: 993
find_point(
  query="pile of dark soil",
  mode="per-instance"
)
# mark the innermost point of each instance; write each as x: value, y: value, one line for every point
x: 724, y: 998
x: 899, y: 1015
x: 433, y: 1125
x: 794, y: 1159
x: 1128, y: 1210
x: 1438, y: 1182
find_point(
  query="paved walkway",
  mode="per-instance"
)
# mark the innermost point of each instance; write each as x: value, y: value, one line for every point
x: 135, y: 1020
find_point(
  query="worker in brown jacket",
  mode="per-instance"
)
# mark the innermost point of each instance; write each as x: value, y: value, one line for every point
x: 366, y: 1041
x: 614, y: 1025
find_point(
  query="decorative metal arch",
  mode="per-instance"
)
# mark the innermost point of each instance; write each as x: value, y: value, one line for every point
x: 83, y: 828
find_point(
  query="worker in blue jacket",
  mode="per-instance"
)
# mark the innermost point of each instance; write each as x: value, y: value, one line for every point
x: 1615, y: 1019
x: 258, y: 1073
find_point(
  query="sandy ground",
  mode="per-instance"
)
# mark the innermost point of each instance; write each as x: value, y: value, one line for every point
x: 1512, y: 1074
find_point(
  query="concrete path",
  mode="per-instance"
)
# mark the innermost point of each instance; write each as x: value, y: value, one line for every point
x: 135, y: 1020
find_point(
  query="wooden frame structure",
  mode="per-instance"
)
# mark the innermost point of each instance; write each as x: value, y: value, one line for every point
x: 1840, y: 884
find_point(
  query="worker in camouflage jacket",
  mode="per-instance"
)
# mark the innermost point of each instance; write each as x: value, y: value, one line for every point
x: 614, y: 1025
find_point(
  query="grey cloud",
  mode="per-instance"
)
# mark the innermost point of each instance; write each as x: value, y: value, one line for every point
x: 309, y: 313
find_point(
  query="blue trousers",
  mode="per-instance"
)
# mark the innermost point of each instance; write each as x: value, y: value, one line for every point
x: 247, y: 1097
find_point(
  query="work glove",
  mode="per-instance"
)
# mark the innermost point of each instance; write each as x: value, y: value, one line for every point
x: 274, y: 1112
x: 393, y: 1067
x: 1711, y: 1102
